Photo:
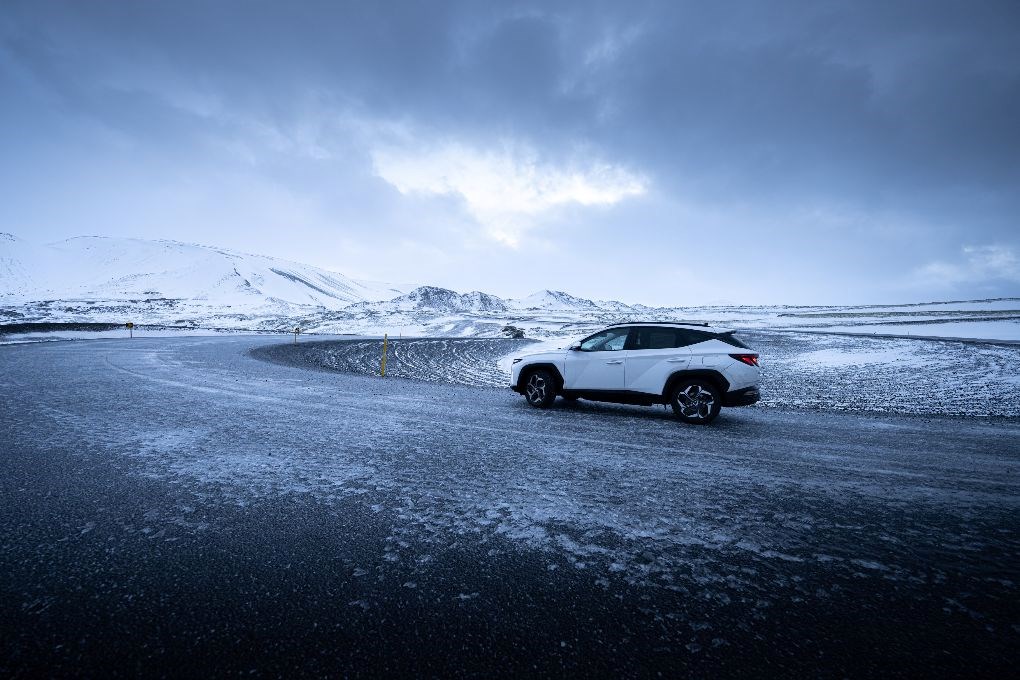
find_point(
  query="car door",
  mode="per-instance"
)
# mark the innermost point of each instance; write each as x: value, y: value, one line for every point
x: 654, y: 353
x: 598, y: 363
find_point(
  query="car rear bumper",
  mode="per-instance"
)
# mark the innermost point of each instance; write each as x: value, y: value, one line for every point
x: 744, y: 397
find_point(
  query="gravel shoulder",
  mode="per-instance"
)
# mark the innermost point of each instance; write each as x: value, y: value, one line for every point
x: 832, y: 372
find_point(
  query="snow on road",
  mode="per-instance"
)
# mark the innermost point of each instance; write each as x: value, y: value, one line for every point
x: 334, y: 520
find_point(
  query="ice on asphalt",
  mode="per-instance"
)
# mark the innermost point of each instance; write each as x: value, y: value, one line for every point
x: 623, y: 495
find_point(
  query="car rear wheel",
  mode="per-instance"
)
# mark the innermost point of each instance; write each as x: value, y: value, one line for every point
x: 696, y: 401
x: 539, y: 388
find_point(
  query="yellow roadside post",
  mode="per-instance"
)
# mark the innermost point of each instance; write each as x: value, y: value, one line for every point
x: 131, y: 329
x: 382, y: 371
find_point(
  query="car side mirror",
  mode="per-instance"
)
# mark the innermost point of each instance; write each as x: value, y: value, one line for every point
x: 575, y: 347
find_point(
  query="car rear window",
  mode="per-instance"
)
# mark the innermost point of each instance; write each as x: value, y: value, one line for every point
x: 731, y: 339
x: 686, y: 336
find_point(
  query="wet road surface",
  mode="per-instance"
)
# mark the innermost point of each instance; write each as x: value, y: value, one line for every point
x: 178, y: 507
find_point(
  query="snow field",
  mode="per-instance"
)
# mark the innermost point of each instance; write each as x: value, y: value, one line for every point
x: 893, y: 375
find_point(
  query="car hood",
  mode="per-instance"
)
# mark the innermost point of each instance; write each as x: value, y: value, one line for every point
x: 550, y: 355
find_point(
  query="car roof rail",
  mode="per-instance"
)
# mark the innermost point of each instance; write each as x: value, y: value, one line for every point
x: 663, y: 323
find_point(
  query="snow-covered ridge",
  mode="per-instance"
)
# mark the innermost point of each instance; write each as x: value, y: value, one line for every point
x: 555, y: 300
x: 115, y: 280
x: 111, y: 269
x: 103, y: 279
x: 434, y: 299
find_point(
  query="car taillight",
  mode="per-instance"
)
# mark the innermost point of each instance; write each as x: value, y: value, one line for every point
x: 749, y: 359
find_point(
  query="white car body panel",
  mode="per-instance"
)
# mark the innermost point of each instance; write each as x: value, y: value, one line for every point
x: 741, y: 376
x: 649, y: 369
x: 555, y: 358
x: 594, y: 370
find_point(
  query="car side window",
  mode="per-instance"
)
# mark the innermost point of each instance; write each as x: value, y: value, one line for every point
x: 606, y: 341
x: 653, y: 338
x: 661, y: 338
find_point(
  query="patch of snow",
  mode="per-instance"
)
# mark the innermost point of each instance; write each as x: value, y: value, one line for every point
x: 1008, y: 330
x: 902, y: 356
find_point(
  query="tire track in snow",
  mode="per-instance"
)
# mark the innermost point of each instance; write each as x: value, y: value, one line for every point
x: 456, y: 361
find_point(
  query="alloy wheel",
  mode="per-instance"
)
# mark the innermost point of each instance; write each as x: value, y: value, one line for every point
x: 695, y: 402
x: 536, y: 388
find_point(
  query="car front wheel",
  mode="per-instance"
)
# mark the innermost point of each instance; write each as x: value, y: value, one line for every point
x: 696, y: 401
x: 539, y: 388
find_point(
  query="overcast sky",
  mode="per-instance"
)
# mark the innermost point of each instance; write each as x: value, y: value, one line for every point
x: 656, y: 152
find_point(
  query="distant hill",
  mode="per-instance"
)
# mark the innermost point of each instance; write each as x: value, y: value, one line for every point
x: 93, y: 279
x: 101, y: 268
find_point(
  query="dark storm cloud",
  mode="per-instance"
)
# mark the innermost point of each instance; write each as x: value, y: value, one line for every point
x: 905, y: 91
x: 905, y: 108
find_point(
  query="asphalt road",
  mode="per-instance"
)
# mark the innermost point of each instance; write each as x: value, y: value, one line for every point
x: 178, y: 507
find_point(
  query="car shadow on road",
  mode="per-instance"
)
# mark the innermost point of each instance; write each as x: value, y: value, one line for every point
x: 585, y: 408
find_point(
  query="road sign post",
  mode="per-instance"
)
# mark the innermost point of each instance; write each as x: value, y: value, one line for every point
x: 131, y: 329
x: 382, y: 370
x: 296, y: 332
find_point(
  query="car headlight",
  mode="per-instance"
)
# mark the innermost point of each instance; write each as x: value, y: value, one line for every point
x: 517, y: 360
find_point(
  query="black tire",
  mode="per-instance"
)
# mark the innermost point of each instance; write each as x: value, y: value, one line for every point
x: 540, y: 388
x: 696, y: 401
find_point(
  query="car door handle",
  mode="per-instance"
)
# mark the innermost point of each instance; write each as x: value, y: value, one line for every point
x: 675, y: 361
x: 615, y: 361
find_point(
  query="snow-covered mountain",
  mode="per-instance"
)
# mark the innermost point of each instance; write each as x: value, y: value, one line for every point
x: 115, y: 280
x: 555, y: 300
x: 16, y: 260
x: 442, y: 300
x: 111, y: 280
x: 128, y: 269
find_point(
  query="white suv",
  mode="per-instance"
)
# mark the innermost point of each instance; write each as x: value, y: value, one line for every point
x: 693, y: 367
